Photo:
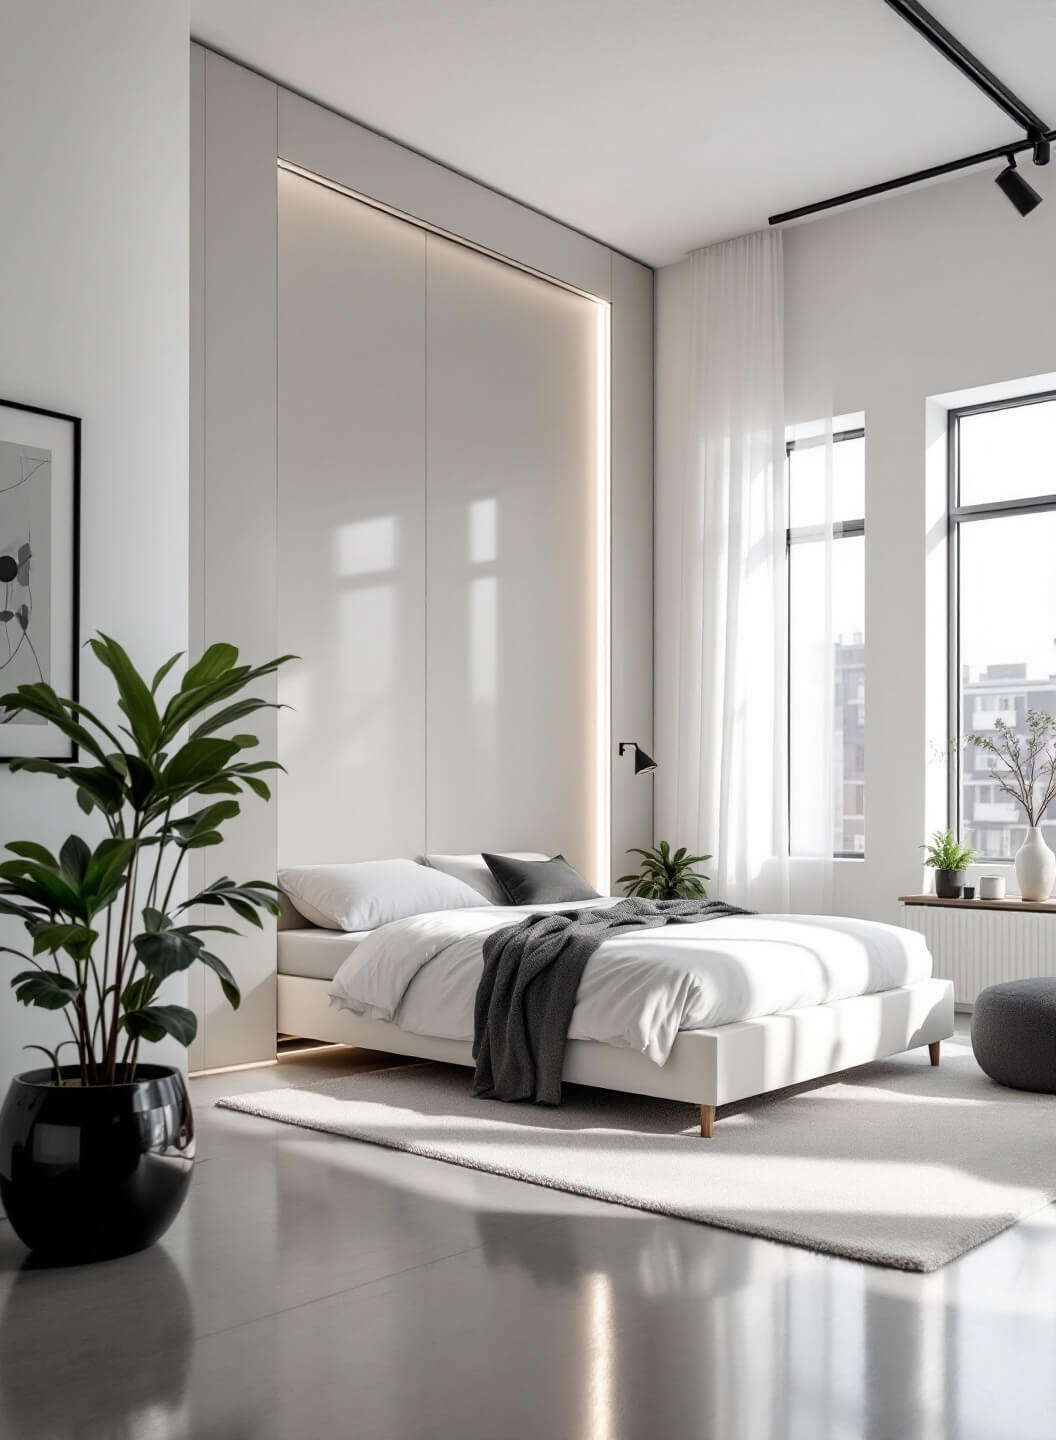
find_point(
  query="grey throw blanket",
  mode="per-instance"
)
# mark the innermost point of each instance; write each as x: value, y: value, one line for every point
x: 528, y: 990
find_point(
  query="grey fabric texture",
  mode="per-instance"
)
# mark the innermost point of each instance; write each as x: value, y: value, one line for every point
x: 538, y: 882
x: 1014, y: 1034
x: 528, y: 990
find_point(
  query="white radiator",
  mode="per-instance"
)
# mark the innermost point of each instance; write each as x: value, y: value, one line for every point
x: 976, y: 948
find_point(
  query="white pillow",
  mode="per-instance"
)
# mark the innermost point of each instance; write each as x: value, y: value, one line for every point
x: 372, y: 893
x: 472, y: 870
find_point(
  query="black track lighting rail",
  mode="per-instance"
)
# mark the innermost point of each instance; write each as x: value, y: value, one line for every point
x: 951, y: 49
x: 933, y: 172
x: 1039, y: 136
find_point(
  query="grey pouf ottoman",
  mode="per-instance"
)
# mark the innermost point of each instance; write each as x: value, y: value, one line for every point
x: 1014, y: 1034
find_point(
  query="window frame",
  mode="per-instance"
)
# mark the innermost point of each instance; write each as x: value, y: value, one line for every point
x: 841, y: 529
x: 956, y: 516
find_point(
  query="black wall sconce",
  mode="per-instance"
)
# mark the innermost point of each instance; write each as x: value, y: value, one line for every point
x: 643, y: 764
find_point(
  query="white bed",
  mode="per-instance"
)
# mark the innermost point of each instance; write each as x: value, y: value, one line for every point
x: 858, y: 992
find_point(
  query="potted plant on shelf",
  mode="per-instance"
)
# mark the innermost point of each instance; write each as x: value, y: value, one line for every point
x: 666, y: 875
x: 95, y: 1156
x: 1026, y: 771
x: 949, y: 860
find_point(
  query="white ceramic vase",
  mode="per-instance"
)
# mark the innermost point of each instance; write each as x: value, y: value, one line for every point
x: 1035, y: 867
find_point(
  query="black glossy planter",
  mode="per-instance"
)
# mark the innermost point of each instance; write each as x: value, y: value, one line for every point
x: 948, y: 884
x: 90, y: 1173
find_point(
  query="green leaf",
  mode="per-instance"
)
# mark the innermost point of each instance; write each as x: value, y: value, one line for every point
x: 106, y: 871
x: 243, y: 899
x: 222, y: 786
x: 230, y: 714
x: 104, y: 786
x: 205, y: 820
x: 42, y: 885
x: 74, y: 857
x: 46, y: 989
x: 29, y: 851
x: 217, y: 660
x: 165, y: 952
x: 135, y: 698
x: 154, y: 1022
x: 139, y: 993
x: 163, y: 670
x: 188, y: 703
x: 40, y: 699
x: 76, y: 940
x: 227, y: 981
x: 197, y: 762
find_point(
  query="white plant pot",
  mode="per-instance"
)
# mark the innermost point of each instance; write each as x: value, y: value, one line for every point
x: 1035, y: 867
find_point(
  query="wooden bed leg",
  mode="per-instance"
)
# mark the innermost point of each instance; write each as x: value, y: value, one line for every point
x: 933, y: 1051
x: 707, y: 1121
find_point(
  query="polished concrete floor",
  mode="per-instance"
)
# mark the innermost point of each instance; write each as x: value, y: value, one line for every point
x: 315, y: 1287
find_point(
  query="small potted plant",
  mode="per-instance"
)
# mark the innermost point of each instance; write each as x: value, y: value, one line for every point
x: 666, y: 875
x: 95, y: 1156
x: 1025, y: 769
x: 949, y: 860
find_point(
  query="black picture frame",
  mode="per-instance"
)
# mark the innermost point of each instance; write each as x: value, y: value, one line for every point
x: 34, y: 426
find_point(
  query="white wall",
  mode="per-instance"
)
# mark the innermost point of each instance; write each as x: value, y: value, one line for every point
x: 241, y: 125
x: 93, y: 321
x: 941, y: 290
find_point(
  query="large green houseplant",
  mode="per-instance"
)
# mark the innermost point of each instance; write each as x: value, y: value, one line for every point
x: 105, y: 928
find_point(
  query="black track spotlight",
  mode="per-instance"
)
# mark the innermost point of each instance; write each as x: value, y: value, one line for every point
x: 1042, y: 150
x: 1023, y: 196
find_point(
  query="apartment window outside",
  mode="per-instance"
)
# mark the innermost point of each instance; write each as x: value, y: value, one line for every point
x: 807, y: 537
x: 1002, y: 583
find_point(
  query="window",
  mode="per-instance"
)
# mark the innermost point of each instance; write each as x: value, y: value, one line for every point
x: 808, y: 534
x: 1002, y: 537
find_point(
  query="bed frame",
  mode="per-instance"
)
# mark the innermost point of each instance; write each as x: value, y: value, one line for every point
x: 708, y: 1068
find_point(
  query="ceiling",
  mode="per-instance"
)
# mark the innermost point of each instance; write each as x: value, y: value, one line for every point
x: 653, y: 125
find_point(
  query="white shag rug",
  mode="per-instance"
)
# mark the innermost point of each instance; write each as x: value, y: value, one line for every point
x: 895, y: 1163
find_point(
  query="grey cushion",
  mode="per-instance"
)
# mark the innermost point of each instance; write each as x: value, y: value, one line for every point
x: 538, y: 882
x: 1014, y: 1034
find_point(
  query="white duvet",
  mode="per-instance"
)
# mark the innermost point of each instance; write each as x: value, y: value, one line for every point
x: 639, y: 990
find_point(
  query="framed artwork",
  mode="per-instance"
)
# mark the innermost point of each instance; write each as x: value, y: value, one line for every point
x: 40, y: 482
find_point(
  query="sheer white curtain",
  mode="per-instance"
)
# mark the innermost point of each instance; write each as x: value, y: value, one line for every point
x: 723, y: 784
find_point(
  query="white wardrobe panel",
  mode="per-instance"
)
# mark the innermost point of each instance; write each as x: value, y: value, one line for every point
x: 351, y: 527
x: 511, y: 486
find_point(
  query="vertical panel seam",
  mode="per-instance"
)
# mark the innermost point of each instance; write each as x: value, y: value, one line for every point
x: 425, y: 546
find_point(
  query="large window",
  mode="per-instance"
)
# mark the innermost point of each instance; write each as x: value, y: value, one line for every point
x: 827, y: 631
x: 1002, y: 509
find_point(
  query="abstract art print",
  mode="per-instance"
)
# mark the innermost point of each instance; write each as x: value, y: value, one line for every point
x: 39, y: 584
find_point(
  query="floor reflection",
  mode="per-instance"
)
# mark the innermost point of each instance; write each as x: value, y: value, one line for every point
x: 95, y: 1350
x: 316, y: 1287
